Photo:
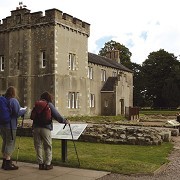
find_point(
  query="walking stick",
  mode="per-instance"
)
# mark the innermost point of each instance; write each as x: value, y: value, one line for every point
x: 74, y: 144
x: 22, y: 123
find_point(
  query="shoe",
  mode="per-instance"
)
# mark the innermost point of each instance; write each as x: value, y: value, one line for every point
x: 41, y: 166
x: 3, y: 163
x: 10, y: 166
x: 48, y: 167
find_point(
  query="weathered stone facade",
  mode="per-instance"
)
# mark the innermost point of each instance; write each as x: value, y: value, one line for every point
x: 50, y: 53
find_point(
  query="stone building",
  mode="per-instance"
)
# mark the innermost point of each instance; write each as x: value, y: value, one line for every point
x: 50, y: 53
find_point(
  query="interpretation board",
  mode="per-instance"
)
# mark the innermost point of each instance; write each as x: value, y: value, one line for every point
x: 60, y: 133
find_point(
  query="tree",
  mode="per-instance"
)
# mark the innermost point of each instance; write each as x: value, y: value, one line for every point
x: 162, y: 79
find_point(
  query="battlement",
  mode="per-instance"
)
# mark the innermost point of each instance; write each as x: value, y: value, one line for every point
x: 22, y: 17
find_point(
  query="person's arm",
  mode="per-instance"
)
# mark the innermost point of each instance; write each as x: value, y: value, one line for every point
x: 22, y: 111
x: 56, y: 115
x: 16, y: 109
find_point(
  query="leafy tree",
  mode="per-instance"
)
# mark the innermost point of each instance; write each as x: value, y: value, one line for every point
x: 162, y: 79
x: 138, y: 80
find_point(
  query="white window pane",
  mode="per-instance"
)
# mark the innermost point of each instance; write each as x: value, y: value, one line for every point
x: 2, y: 63
x: 73, y: 100
x: 77, y: 100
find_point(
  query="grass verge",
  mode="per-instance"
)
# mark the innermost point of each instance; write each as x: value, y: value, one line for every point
x: 124, y: 159
x: 159, y: 112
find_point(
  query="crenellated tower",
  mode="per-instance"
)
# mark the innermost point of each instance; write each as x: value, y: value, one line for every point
x: 36, y: 50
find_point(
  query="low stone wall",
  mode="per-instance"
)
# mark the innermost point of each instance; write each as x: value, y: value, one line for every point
x: 120, y: 134
x: 134, y: 135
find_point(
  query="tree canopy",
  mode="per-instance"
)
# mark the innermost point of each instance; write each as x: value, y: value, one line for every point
x: 162, y: 79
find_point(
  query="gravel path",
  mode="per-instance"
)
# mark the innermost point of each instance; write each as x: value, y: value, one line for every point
x: 168, y: 172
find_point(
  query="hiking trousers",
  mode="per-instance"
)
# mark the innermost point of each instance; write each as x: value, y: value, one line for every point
x: 8, y: 144
x: 43, y: 145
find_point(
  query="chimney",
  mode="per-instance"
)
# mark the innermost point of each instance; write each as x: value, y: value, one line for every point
x: 114, y: 55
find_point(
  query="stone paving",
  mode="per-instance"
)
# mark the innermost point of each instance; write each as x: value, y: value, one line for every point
x: 28, y: 171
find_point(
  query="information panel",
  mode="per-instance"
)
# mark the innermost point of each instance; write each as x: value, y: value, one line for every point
x: 60, y: 133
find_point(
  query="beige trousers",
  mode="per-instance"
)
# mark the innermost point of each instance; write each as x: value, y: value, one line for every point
x: 43, y: 145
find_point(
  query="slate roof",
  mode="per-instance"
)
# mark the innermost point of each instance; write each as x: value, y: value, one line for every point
x: 104, y: 61
x: 109, y: 84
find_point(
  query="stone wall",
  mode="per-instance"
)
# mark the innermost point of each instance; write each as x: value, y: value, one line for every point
x: 120, y: 134
x: 134, y: 135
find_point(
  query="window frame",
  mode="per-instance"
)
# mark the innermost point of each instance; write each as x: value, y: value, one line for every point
x: 114, y: 74
x: 2, y: 63
x: 43, y: 59
x: 92, y: 100
x: 106, y: 103
x: 90, y: 72
x: 103, y: 75
x: 73, y: 100
x: 72, y: 61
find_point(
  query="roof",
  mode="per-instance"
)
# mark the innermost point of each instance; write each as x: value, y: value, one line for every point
x: 109, y: 84
x: 104, y: 61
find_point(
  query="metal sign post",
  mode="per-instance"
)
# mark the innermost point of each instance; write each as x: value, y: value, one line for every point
x: 64, y: 150
x: 71, y: 132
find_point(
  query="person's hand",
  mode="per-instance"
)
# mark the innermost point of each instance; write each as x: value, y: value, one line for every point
x: 67, y: 121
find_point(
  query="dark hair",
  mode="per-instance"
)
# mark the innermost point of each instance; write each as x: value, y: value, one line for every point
x: 10, y: 92
x: 46, y: 96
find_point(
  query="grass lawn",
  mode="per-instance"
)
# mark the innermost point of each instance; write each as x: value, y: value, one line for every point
x: 158, y: 112
x: 125, y: 159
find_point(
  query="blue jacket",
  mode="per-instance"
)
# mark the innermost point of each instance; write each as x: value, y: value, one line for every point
x: 55, y: 115
x: 16, y: 112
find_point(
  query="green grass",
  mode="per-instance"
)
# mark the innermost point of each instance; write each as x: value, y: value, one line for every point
x: 97, y: 119
x: 159, y: 112
x: 125, y: 159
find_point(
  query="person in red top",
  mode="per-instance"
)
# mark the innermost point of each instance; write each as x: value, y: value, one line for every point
x: 42, y: 135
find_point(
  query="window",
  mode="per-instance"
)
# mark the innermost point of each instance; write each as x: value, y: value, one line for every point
x: 72, y: 60
x: 43, y: 59
x: 90, y: 72
x: 103, y: 75
x: 18, y: 19
x: 19, y: 60
x: 92, y: 100
x: 106, y: 103
x: 125, y: 77
x: 114, y: 74
x: 2, y: 63
x: 73, y: 100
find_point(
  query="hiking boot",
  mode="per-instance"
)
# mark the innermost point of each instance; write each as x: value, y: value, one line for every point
x: 41, y: 166
x: 3, y: 163
x: 9, y: 165
x: 48, y: 167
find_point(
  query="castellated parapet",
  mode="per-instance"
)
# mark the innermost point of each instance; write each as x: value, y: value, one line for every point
x: 22, y: 18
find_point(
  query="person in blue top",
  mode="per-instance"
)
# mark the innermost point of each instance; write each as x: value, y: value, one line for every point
x: 42, y: 135
x: 8, y: 135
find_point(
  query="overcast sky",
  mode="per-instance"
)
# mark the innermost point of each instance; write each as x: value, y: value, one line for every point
x: 143, y: 26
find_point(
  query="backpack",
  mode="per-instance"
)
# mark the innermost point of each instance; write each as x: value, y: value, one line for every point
x: 41, y: 113
x: 5, y: 111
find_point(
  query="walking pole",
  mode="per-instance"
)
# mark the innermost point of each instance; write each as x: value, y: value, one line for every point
x: 74, y: 144
x: 22, y: 123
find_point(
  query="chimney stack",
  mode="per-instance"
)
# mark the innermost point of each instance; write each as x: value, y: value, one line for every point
x: 114, y: 55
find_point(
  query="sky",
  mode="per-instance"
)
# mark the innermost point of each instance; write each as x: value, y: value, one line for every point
x: 143, y: 26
